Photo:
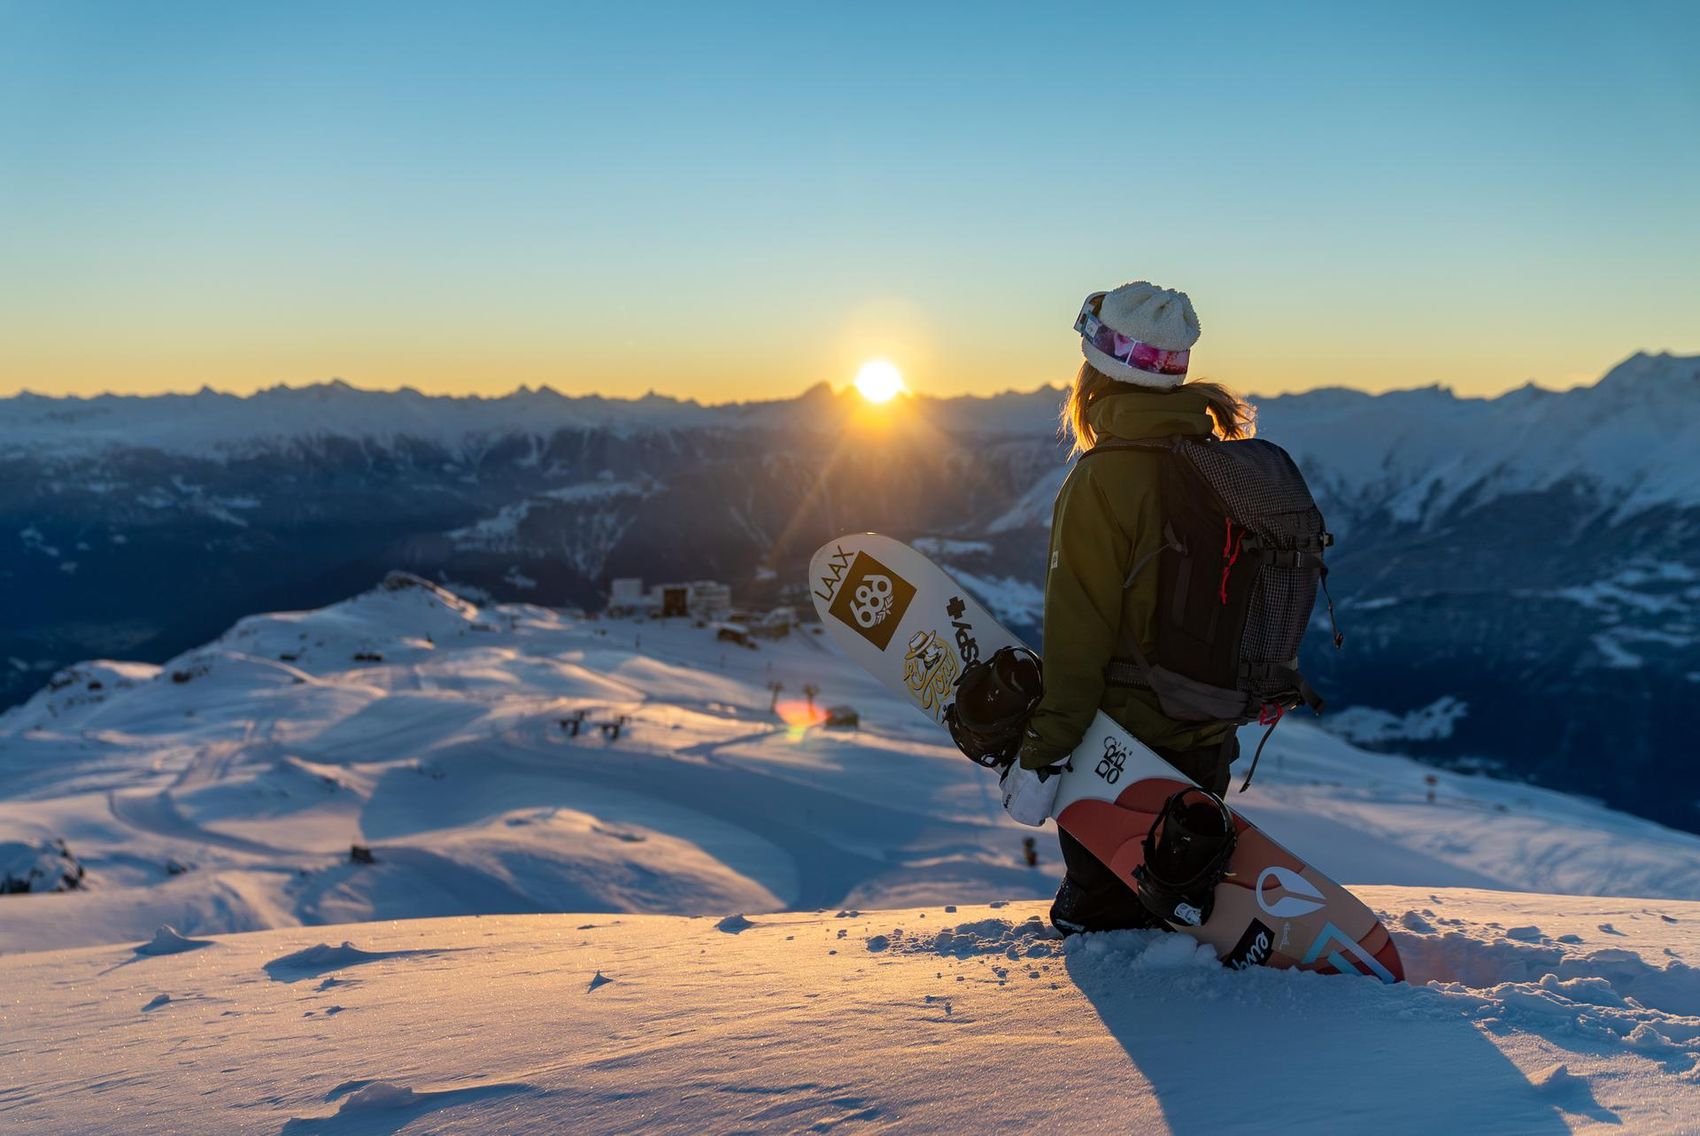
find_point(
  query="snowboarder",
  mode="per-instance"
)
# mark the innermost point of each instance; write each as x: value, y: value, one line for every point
x: 1109, y: 517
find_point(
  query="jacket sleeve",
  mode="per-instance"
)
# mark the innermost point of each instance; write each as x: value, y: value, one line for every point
x: 1083, y: 603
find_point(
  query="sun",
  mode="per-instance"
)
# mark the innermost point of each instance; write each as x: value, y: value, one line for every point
x: 879, y: 381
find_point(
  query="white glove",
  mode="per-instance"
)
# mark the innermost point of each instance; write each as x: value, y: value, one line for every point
x: 1028, y: 794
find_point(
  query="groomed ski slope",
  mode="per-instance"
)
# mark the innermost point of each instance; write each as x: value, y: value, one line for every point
x: 220, y: 794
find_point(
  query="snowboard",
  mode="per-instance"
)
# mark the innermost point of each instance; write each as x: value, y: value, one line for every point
x: 905, y: 620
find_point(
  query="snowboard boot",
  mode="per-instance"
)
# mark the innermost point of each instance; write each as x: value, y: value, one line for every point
x: 1186, y: 856
x: 1109, y: 907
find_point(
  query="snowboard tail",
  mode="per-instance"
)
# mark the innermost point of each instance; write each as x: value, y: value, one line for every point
x: 905, y: 620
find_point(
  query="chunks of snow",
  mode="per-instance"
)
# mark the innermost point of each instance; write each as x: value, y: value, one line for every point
x: 377, y: 1095
x: 322, y: 958
x: 167, y: 941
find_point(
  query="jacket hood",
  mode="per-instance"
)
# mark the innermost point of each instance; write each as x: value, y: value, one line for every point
x: 1137, y: 415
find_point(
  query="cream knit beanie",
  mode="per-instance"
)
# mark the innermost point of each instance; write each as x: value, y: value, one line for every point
x: 1139, y: 333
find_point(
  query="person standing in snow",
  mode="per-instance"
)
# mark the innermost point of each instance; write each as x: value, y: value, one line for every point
x: 1108, y: 519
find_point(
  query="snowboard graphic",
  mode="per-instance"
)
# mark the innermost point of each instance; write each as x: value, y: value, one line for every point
x: 914, y: 628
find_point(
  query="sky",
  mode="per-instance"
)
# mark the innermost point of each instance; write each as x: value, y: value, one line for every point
x: 730, y: 201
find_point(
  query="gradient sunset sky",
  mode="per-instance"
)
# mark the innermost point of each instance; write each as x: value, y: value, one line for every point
x: 725, y: 202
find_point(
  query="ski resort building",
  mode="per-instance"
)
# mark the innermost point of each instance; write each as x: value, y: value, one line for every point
x: 698, y: 599
x: 625, y: 596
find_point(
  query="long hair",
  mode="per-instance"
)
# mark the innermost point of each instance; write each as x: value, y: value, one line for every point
x: 1232, y: 415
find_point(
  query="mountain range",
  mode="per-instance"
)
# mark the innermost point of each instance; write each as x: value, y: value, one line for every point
x: 1518, y: 577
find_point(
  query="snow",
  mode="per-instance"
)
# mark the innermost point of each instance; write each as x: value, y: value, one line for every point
x: 223, y: 791
x: 1368, y: 726
x: 1612, y: 651
x: 501, y: 531
x: 726, y: 919
x: 915, y: 1020
x: 1629, y: 439
x: 167, y: 941
x: 217, y: 426
x: 210, y: 424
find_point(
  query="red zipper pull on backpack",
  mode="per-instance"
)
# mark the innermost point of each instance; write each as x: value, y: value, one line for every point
x: 1230, y: 555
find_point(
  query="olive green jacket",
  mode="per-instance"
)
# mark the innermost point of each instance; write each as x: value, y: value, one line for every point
x: 1106, y: 518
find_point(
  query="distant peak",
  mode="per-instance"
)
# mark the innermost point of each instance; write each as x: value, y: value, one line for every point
x: 1653, y: 371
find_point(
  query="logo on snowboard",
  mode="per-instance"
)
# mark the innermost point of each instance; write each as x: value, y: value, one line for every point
x: 930, y: 672
x: 1345, y: 955
x: 1253, y: 949
x: 835, y: 566
x: 1110, y: 766
x: 966, y: 645
x: 1301, y: 896
x: 871, y: 600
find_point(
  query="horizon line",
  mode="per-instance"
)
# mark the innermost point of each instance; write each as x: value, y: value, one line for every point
x: 335, y: 382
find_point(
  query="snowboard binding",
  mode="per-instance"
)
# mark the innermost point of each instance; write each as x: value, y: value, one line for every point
x: 1186, y: 856
x: 994, y: 699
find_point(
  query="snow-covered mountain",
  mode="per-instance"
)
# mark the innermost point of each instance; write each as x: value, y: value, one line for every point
x: 1519, y: 577
x: 440, y: 732
x: 223, y: 791
x: 866, y: 945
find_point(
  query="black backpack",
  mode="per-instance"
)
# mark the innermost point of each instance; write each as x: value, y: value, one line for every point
x: 1239, y: 569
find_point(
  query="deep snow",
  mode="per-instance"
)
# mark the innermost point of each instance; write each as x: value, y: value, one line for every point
x: 221, y: 792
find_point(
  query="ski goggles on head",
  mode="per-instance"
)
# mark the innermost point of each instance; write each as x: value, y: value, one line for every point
x: 1130, y: 352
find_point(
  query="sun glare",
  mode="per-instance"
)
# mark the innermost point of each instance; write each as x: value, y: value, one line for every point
x: 879, y: 381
